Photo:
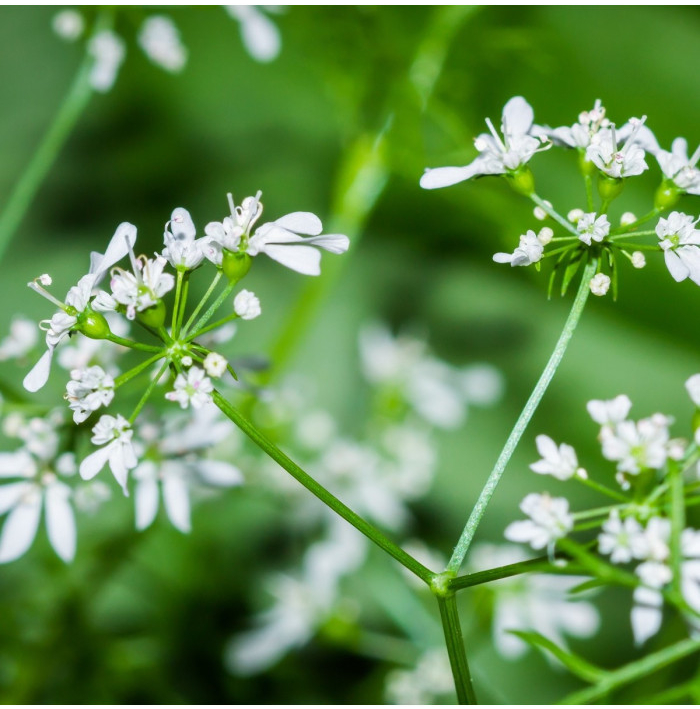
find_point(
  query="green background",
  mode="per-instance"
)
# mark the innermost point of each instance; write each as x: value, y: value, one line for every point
x: 144, y: 618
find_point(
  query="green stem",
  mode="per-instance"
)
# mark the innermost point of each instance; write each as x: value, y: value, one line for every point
x: 634, y: 671
x: 176, y: 304
x: 455, y: 649
x: 602, y: 489
x: 183, y: 303
x: 225, y: 293
x: 212, y: 326
x: 369, y: 530
x: 589, y: 192
x: 654, y: 213
x: 28, y: 184
x: 148, y: 392
x: 523, y: 420
x: 127, y: 376
x: 677, y: 514
x: 132, y: 344
x: 554, y: 214
x: 201, y: 303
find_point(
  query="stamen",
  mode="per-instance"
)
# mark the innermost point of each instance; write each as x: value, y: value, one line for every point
x: 231, y: 206
x: 694, y: 159
x: 495, y: 135
x: 45, y: 279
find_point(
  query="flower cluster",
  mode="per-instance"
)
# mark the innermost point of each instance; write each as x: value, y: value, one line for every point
x: 610, y: 154
x: 644, y: 530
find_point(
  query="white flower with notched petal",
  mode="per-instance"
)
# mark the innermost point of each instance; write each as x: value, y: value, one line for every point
x: 637, y: 446
x: 680, y: 241
x: 194, y: 389
x: 609, y: 413
x: 182, y: 250
x: 528, y: 251
x: 560, y: 462
x: 679, y: 168
x: 591, y: 227
x: 618, y: 162
x: 622, y: 540
x: 114, y: 435
x: 497, y: 156
x: 549, y: 520
x: 77, y: 300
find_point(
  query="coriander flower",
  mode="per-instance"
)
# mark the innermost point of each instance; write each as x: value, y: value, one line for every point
x: 589, y: 226
x: 521, y: 140
x: 529, y: 251
x: 260, y: 36
x: 609, y: 413
x: 246, y: 305
x: 182, y: 250
x: 143, y: 288
x: 76, y: 307
x: 680, y: 240
x: 215, y: 365
x: 108, y: 52
x: 87, y: 390
x: 617, y: 162
x: 114, y: 435
x: 599, y: 284
x: 679, y: 168
x: 560, y: 462
x: 194, y: 389
x: 581, y: 134
x: 160, y: 40
x: 549, y: 520
x: 622, y: 540
x: 637, y: 446
x: 22, y: 339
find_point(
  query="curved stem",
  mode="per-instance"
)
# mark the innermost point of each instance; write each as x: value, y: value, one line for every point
x: 455, y: 649
x: 369, y: 530
x: 26, y: 187
x: 523, y: 420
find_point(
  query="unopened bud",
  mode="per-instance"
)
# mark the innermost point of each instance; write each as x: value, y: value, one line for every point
x: 638, y: 260
x: 545, y: 236
x: 599, y: 284
x: 574, y: 215
x: 628, y: 218
x: 539, y: 212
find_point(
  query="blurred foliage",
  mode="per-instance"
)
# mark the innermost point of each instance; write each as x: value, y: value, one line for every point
x: 144, y: 618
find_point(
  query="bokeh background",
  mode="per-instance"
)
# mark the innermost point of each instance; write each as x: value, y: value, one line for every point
x: 145, y: 618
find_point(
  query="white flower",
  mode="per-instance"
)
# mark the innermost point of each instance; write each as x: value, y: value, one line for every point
x: 87, y: 390
x: 160, y: 40
x: 560, y: 462
x: 181, y: 248
x: 261, y: 38
x: 194, y: 389
x: 77, y: 299
x: 549, y: 520
x: 591, y: 227
x: 108, y: 52
x: 529, y: 251
x: 496, y: 156
x: 143, y: 288
x: 215, y: 365
x: 619, y: 162
x: 608, y: 413
x: 22, y: 339
x: 538, y: 603
x: 68, y: 24
x: 599, y: 284
x: 692, y: 386
x: 114, y: 434
x: 628, y: 218
x: 246, y: 305
x: 582, y: 133
x: 637, y: 446
x: 679, y: 240
x: 423, y: 685
x: 646, y: 613
x: 622, y: 540
x: 680, y: 169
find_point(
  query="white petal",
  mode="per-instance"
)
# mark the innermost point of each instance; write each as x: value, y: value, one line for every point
x: 675, y: 265
x: 94, y: 463
x: 300, y: 258
x: 39, y: 374
x: 335, y: 243
x: 60, y: 520
x: 301, y: 223
x: 177, y: 502
x: 260, y: 37
x: 146, y: 502
x: 181, y: 225
x: 518, y: 116
x: 124, y: 239
x: 216, y: 472
x: 18, y: 464
x: 446, y: 176
x: 646, y: 622
x: 11, y: 494
x: 20, y: 528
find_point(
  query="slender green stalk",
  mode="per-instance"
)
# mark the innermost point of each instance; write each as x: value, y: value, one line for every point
x: 455, y: 649
x: 149, y: 390
x: 183, y: 303
x: 225, y: 293
x: 589, y: 192
x: 541, y: 565
x: 634, y: 671
x: 523, y: 420
x: 677, y: 514
x: 212, y: 326
x: 602, y: 489
x: 132, y: 344
x: 176, y: 304
x: 369, y: 530
x: 554, y: 214
x: 28, y: 184
x: 127, y: 376
x: 202, y: 302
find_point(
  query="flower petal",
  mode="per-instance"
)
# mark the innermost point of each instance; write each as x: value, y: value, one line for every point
x: 517, y: 116
x: 39, y: 374
x: 300, y: 258
x: 445, y: 176
x: 301, y: 223
x: 146, y: 502
x: 216, y: 472
x: 94, y: 463
x: 177, y: 501
x: 60, y: 520
x: 20, y: 527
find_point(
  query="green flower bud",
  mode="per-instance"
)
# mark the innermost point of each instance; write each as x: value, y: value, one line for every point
x: 93, y: 325
x: 666, y: 196
x: 522, y: 180
x: 153, y: 316
x: 235, y: 265
x: 609, y: 187
x: 587, y: 167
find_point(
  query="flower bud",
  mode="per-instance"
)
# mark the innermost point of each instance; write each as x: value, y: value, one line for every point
x: 666, y: 196
x: 609, y: 187
x: 628, y: 218
x: 638, y: 260
x: 522, y: 180
x: 235, y: 265
x: 93, y: 325
x: 586, y: 166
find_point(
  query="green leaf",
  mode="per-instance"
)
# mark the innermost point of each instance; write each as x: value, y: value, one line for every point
x: 575, y: 664
x: 553, y: 276
x: 587, y: 586
x: 570, y: 272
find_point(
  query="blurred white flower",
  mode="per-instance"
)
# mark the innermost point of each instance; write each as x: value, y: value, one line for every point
x: 622, y: 540
x: 159, y: 38
x: 549, y: 520
x: 88, y: 390
x: 680, y: 241
x: 429, y: 680
x: 679, y: 168
x: 692, y: 386
x: 260, y: 36
x: 215, y: 365
x: 609, y: 413
x: 68, y: 24
x: 637, y: 446
x: 108, y: 52
x: 22, y: 339
x: 529, y: 251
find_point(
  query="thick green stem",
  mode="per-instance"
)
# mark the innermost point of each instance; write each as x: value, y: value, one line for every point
x: 523, y: 420
x: 369, y: 530
x: 455, y: 649
x: 28, y: 184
